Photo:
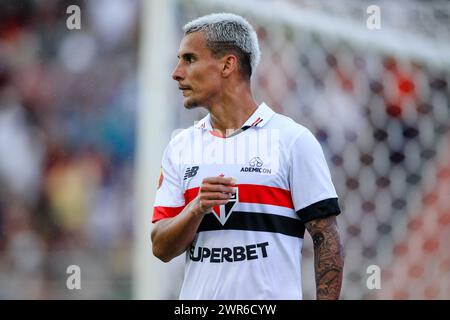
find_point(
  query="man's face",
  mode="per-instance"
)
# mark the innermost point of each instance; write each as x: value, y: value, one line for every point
x: 198, y: 73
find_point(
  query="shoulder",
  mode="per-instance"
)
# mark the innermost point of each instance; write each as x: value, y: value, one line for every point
x: 181, y: 137
x: 290, y: 131
x: 179, y: 141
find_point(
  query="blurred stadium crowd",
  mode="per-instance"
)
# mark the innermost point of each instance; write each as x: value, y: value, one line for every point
x: 67, y: 135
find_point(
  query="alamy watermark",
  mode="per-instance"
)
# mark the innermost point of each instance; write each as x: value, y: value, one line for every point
x: 374, y: 279
x: 195, y: 148
x: 373, y: 21
x: 74, y: 279
x: 73, y: 21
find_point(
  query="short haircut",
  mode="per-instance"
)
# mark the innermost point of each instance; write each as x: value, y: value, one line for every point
x: 229, y: 33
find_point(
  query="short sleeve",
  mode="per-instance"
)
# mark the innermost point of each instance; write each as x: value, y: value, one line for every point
x: 169, y: 200
x: 312, y: 189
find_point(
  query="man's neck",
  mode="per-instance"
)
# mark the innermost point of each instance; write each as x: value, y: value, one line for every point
x: 231, y: 113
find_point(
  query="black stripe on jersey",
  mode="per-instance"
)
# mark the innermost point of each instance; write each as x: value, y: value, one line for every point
x: 253, y: 221
x: 258, y: 122
x: 319, y: 209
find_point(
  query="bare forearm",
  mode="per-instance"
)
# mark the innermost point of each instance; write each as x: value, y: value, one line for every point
x: 171, y: 237
x: 328, y: 257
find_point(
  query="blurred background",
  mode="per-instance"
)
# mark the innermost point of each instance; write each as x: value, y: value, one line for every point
x: 86, y: 113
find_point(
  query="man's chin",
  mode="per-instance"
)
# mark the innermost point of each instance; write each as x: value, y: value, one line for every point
x: 190, y: 104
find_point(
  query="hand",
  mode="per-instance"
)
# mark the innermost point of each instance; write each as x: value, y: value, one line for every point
x: 214, y: 191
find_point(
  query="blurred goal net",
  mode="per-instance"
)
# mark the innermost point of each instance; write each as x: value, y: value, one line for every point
x: 378, y: 101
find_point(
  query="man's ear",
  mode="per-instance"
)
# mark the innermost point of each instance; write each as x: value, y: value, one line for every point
x: 230, y: 63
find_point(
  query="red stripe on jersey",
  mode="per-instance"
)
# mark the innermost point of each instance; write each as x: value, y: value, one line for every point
x: 165, y: 212
x: 254, y: 122
x: 190, y: 194
x: 253, y: 193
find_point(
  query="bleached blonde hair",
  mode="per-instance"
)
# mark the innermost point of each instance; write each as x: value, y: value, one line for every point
x: 228, y: 32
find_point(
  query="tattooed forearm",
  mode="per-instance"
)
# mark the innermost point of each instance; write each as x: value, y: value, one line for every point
x: 328, y: 257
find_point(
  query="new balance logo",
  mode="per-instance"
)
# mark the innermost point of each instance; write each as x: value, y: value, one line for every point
x: 190, y: 172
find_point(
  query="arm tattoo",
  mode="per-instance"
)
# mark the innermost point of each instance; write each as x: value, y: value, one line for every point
x: 328, y: 257
x: 317, y: 239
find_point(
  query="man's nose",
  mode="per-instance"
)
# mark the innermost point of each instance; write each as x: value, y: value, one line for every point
x: 177, y: 74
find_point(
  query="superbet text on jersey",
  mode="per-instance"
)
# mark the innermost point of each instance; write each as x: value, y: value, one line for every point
x: 249, y: 248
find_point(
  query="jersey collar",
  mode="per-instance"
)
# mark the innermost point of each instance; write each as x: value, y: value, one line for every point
x: 259, y: 118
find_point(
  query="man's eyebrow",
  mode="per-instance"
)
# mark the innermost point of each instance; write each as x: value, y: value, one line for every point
x: 186, y: 55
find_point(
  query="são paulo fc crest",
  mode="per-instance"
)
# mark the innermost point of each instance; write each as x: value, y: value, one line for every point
x: 223, y: 212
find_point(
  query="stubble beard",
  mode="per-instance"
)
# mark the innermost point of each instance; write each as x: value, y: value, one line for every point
x: 191, y: 104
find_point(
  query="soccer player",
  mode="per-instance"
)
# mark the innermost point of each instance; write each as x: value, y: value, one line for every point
x: 238, y: 188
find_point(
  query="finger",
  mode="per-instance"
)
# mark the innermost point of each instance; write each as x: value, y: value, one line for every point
x: 212, y: 203
x: 220, y: 180
x: 215, y: 196
x: 216, y: 188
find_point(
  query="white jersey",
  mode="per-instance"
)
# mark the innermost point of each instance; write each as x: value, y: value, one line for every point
x: 251, y: 247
